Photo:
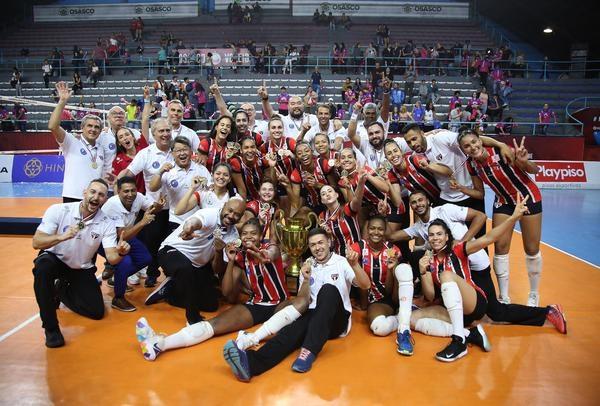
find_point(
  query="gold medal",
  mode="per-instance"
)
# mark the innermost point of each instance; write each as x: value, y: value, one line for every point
x: 81, y: 225
x: 282, y: 152
x: 94, y: 165
x: 237, y: 243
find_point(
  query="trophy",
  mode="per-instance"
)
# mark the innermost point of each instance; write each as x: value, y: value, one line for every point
x: 292, y: 234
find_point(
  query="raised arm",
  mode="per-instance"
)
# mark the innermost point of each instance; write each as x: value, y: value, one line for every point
x: 64, y: 93
x: 156, y: 180
x: 188, y: 201
x: 356, y: 202
x: 385, y: 102
x: 477, y: 220
x: 352, y: 134
x: 264, y: 97
x: 522, y: 158
x: 477, y: 192
x: 146, y: 114
x: 222, y: 106
x: 508, y: 154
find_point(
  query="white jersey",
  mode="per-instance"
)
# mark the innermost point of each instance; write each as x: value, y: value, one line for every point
x: 337, y: 272
x: 208, y: 198
x: 149, y: 160
x: 83, y: 163
x: 122, y: 217
x: 260, y: 127
x: 292, y: 126
x: 176, y: 183
x: 443, y: 148
x: 454, y: 216
x: 78, y: 252
x: 201, y: 249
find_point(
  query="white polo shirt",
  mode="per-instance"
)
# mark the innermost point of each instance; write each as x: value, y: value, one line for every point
x: 443, y: 148
x: 331, y: 132
x: 454, y: 216
x: 292, y: 127
x: 80, y: 157
x: 122, y: 217
x: 375, y: 157
x: 201, y: 249
x: 176, y: 183
x: 208, y: 198
x: 149, y: 160
x: 337, y: 272
x: 78, y: 252
x: 260, y: 127
x: 362, y: 130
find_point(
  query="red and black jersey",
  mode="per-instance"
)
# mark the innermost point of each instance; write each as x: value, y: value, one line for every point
x: 506, y: 180
x: 255, y: 136
x: 287, y: 163
x: 267, y: 281
x: 252, y: 174
x: 264, y: 212
x: 343, y: 227
x: 322, y: 169
x: 371, y: 195
x: 415, y: 177
x: 375, y: 266
x: 458, y: 262
x: 215, y: 153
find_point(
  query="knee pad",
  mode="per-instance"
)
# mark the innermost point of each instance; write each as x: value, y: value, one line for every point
x: 380, y: 326
x: 501, y: 265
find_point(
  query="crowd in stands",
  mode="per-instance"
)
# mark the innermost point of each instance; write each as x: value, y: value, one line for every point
x: 237, y: 14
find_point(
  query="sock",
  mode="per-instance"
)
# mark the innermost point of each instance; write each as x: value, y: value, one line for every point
x: 384, y: 325
x: 279, y: 320
x: 189, y: 335
x: 435, y: 327
x: 404, y: 276
x: 501, y: 269
x: 533, y: 263
x: 454, y: 305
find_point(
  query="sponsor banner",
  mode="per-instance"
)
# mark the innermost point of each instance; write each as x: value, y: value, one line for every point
x: 220, y: 56
x: 382, y: 8
x: 122, y: 11
x: 568, y: 175
x: 264, y: 4
x: 6, y: 165
x: 38, y: 168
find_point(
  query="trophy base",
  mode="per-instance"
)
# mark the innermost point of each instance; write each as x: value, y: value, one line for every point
x: 292, y: 284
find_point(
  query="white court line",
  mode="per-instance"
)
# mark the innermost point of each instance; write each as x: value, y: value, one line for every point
x: 19, y: 327
x: 566, y: 253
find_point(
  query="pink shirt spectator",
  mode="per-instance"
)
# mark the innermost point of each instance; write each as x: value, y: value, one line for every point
x: 547, y: 116
x: 282, y: 101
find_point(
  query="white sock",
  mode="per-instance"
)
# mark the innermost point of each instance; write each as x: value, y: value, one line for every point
x: 384, y: 325
x: 454, y: 305
x: 279, y: 320
x: 189, y: 335
x: 533, y: 263
x: 404, y: 276
x: 435, y: 327
x: 501, y: 268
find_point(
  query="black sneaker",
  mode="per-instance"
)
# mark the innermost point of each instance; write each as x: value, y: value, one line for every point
x: 160, y: 293
x: 122, y: 304
x: 478, y: 337
x: 54, y: 338
x: 109, y: 271
x: 150, y: 281
x: 455, y: 350
x: 111, y: 283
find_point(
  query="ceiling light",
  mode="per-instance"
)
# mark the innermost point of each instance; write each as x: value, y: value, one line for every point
x: 547, y: 30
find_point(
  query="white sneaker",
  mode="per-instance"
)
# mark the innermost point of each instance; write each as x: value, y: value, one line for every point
x: 504, y: 300
x: 151, y: 347
x: 533, y: 300
x: 245, y: 340
x: 142, y: 272
x: 133, y: 279
x: 143, y: 329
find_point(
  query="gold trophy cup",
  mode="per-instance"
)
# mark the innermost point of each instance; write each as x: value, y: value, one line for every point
x: 292, y: 234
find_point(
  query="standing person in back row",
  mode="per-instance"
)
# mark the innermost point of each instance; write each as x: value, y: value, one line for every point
x: 68, y: 238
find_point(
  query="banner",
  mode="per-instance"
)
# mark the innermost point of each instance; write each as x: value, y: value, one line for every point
x: 220, y: 56
x: 568, y: 175
x: 382, y: 8
x: 264, y: 4
x: 122, y: 11
x: 38, y: 168
x: 6, y: 165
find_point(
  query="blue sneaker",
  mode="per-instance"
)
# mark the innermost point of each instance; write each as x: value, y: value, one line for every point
x: 304, y: 361
x: 405, y: 343
x: 160, y: 293
x: 237, y: 360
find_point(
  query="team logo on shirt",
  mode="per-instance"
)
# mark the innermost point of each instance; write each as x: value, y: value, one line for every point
x: 111, y: 146
x: 174, y: 183
x: 291, y: 125
x: 439, y: 157
x: 312, y: 281
x: 335, y: 276
x: 83, y: 151
x: 94, y: 235
x: 155, y: 164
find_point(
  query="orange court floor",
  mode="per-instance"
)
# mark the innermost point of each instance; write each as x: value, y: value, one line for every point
x: 102, y: 362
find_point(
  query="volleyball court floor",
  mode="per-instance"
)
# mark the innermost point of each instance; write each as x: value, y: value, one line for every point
x: 102, y: 361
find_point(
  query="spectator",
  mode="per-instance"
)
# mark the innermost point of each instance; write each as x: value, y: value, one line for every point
x: 16, y: 81
x: 346, y: 22
x: 131, y: 113
x: 423, y: 91
x: 200, y: 98
x: 57, y: 60
x: 518, y: 68
x: 46, y: 73
x: 282, y: 101
x: 7, y: 119
x: 77, y: 85
x: 210, y: 66
x: 370, y: 54
x: 506, y: 127
x: 504, y: 93
x: 340, y: 112
x: 162, y: 60
x: 494, y: 109
x: 350, y: 97
x: 454, y: 100
x: 20, y: 114
x: 395, y: 120
x: 483, y: 97
x: 545, y: 117
x: 99, y: 56
x: 405, y: 115
x: 78, y: 56
x: 230, y: 12
x: 316, y: 16
x: 189, y: 113
x: 331, y: 21
x: 357, y: 57
x: 94, y: 73
x: 139, y: 30
x: 455, y: 117
x: 409, y: 83
x: 316, y: 82
x: 418, y: 112
x: 433, y: 92
x: 474, y: 101
x: 429, y: 118
x: 323, y: 19
x: 67, y: 120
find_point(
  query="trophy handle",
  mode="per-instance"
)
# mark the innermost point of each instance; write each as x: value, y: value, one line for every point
x: 313, y: 220
x: 279, y: 224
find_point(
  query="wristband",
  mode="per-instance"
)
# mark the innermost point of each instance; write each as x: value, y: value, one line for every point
x: 265, y: 98
x: 146, y: 100
x: 354, y: 117
x: 386, y: 92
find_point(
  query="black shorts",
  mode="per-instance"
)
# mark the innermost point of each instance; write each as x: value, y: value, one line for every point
x: 386, y: 300
x: 509, y: 208
x: 260, y: 313
x: 478, y: 312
